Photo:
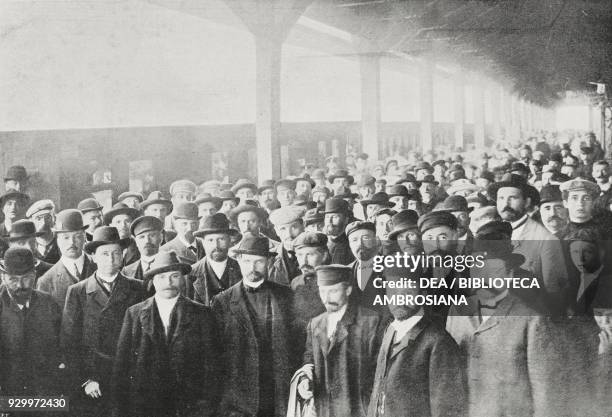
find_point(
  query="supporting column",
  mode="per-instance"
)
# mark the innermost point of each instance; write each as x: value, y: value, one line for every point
x: 370, y: 105
x: 496, y: 111
x: 426, y: 105
x: 515, y: 131
x: 267, y: 102
x: 459, y: 107
x: 479, y: 113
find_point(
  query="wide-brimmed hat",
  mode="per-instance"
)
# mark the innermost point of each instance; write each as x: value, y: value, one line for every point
x: 462, y: 185
x: 106, y: 235
x: 243, y: 208
x: 380, y: 198
x: 336, y: 205
x: 244, y: 183
x: 23, y: 229
x: 166, y: 262
x: 306, y: 178
x: 341, y: 173
x: 14, y: 195
x: 156, y: 197
x: 186, y: 210
x: 509, y: 180
x: 69, y: 220
x: 266, y: 185
x: 228, y: 195
x: 398, y: 191
x: 127, y: 194
x: 493, y: 238
x: 217, y: 223
x: 89, y: 204
x: 117, y: 209
x: 17, y: 261
x: 253, y: 245
x: 403, y: 221
x: 208, y: 198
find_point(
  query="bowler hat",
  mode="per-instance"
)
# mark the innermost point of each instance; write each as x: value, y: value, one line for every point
x: 512, y: 181
x: 429, y: 179
x: 69, y: 220
x: 17, y: 261
x: 306, y: 178
x: 285, y: 183
x: 228, y: 195
x: 398, y: 191
x: 550, y: 192
x: 186, y: 210
x: 365, y: 180
x: 106, y: 235
x: 156, y: 197
x: 403, y: 221
x: 89, y: 204
x: 493, y: 238
x: 333, y: 274
x: 423, y: 165
x: 217, y: 223
x: 40, y: 205
x: 23, y: 229
x: 436, y: 219
x: 127, y: 194
x: 253, y: 245
x: 336, y: 205
x: 208, y: 198
x: 266, y: 185
x: 16, y: 173
x: 407, y: 177
x: 14, y: 195
x: 380, y: 198
x: 117, y: 209
x: 453, y: 203
x: 166, y: 262
x: 310, y: 240
x: 341, y: 173
x: 262, y: 214
x: 145, y: 224
x: 244, y: 183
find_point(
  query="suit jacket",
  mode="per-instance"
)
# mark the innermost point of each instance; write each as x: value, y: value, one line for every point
x: 41, y: 267
x: 57, y: 279
x: 344, y: 367
x: 306, y: 300
x: 30, y: 355
x: 159, y: 376
x: 367, y: 296
x: 167, y: 236
x: 421, y: 375
x: 340, y: 250
x: 53, y: 253
x: 513, y: 360
x: 205, y: 282
x: 131, y: 253
x: 91, y: 324
x: 240, y: 356
x: 544, y: 258
x: 183, y: 252
x: 285, y: 267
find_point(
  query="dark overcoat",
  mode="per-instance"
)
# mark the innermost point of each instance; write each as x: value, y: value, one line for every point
x: 240, y: 356
x: 340, y: 250
x: 420, y: 376
x: 159, y: 376
x: 205, y: 282
x: 183, y: 252
x: 344, y: 367
x: 57, y: 280
x: 30, y: 354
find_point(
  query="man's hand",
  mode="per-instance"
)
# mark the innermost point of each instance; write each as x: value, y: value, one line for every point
x: 92, y: 389
x: 304, y: 389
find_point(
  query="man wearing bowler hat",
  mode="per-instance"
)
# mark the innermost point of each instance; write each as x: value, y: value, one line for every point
x: 30, y: 355
x: 131, y: 199
x: 157, y: 206
x: 74, y: 265
x: 215, y: 272
x: 341, y: 348
x: 13, y: 204
x: 181, y: 191
x: 92, y: 319
x: 553, y: 214
x: 288, y: 224
x: 147, y: 233
x: 244, y: 189
x: 207, y: 206
x: 121, y: 217
x: 337, y: 216
x: 93, y: 217
x: 24, y: 234
x: 167, y: 354
x: 185, y: 219
x: 42, y: 213
x: 258, y: 332
x: 16, y: 179
x: 405, y: 232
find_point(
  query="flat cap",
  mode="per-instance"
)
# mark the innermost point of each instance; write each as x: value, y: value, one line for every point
x: 333, y: 274
x: 244, y: 183
x: 286, y: 215
x: 144, y: 224
x: 453, y: 203
x: 40, y: 205
x: 89, y: 204
x: 127, y: 194
x: 310, y: 240
x: 320, y: 189
x: 579, y: 184
x: 314, y: 215
x: 436, y: 219
x: 183, y: 186
x: 359, y: 225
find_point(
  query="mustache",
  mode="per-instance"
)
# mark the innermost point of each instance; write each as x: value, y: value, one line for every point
x: 551, y: 218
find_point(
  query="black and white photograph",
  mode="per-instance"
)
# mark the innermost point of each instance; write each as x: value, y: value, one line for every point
x: 306, y: 208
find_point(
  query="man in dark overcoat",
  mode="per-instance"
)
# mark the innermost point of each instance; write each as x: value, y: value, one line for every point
x: 341, y: 348
x: 92, y: 319
x: 146, y: 232
x: 30, y: 356
x: 167, y: 355
x: 257, y: 335
x: 216, y: 271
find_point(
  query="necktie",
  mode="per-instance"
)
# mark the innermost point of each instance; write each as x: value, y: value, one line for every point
x: 149, y: 264
x: 77, y: 273
x: 193, y: 249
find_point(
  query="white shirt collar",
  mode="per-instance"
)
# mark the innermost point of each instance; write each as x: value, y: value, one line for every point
x: 403, y: 327
x: 218, y: 267
x: 69, y: 262
x: 165, y: 307
x: 333, y: 319
x: 253, y: 284
x: 109, y: 280
x: 518, y: 226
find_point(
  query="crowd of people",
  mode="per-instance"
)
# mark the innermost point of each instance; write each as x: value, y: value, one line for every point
x: 243, y: 299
